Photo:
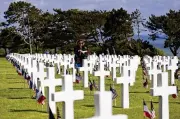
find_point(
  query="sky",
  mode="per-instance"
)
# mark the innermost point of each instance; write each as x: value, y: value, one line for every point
x: 147, y: 7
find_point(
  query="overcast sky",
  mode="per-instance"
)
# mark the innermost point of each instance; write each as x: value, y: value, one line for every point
x: 147, y: 7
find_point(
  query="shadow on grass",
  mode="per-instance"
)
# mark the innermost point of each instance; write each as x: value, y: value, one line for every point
x: 158, y: 102
x: 17, y: 88
x: 175, y: 102
x: 118, y: 107
x: 88, y: 105
x: 89, y: 94
x: 15, y: 82
x: 140, y: 92
x: 26, y: 110
x: 152, y: 101
x: 10, y: 78
x: 18, y: 98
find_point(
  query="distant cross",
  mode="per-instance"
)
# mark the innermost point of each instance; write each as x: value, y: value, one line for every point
x: 91, y: 65
x: 68, y: 96
x: 29, y: 66
x: 173, y: 67
x: 108, y: 62
x: 163, y: 91
x: 85, y: 68
x: 41, y: 74
x: 101, y: 73
x: 125, y: 81
x: 103, y: 105
x: 51, y: 83
x: 154, y: 72
x: 58, y: 68
x: 114, y: 64
x: 34, y: 72
x: 73, y: 70
x: 65, y: 64
x: 133, y: 65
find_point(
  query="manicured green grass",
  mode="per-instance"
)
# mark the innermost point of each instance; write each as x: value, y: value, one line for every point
x: 16, y: 102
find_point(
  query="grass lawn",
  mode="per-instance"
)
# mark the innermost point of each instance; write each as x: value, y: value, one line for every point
x: 16, y: 102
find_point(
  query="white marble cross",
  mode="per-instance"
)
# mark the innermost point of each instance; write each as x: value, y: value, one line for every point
x: 86, y: 70
x: 103, y: 105
x: 125, y: 81
x: 34, y: 72
x: 154, y: 73
x: 73, y: 69
x: 101, y: 73
x: 65, y: 64
x: 120, y: 62
x: 132, y: 66
x: 58, y: 68
x: 68, y: 96
x: 173, y: 67
x: 29, y: 65
x: 51, y: 83
x: 41, y: 74
x: 114, y: 65
x: 163, y: 91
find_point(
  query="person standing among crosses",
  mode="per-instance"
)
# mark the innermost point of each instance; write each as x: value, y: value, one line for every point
x: 81, y: 52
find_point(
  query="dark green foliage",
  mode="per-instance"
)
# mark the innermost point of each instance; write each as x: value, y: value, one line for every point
x: 167, y: 25
x: 27, y: 27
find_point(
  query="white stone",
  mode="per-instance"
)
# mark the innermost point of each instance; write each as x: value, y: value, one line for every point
x: 65, y: 64
x: 132, y: 68
x: 85, y: 70
x: 172, y: 67
x: 34, y: 72
x: 154, y: 73
x: 114, y: 65
x: 103, y: 105
x: 51, y: 83
x: 41, y: 75
x: 101, y: 73
x: 125, y: 81
x: 163, y: 91
x: 72, y: 65
x: 68, y: 96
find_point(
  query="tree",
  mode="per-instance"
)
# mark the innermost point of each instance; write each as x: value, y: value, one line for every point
x: 9, y: 39
x: 166, y: 27
x: 118, y: 28
x: 23, y: 16
x: 97, y: 19
x: 137, y: 21
x: 58, y: 31
x: 77, y: 21
x: 41, y: 30
x: 142, y: 48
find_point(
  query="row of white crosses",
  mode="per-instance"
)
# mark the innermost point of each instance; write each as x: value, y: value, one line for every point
x: 159, y: 82
x: 163, y: 90
x: 125, y: 76
x: 51, y: 84
x: 167, y: 63
x: 104, y: 107
x: 157, y: 89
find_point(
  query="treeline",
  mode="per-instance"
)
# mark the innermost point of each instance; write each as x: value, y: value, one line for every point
x: 29, y: 29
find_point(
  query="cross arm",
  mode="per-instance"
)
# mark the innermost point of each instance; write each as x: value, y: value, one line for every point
x: 54, y: 82
x: 63, y: 96
x: 120, y: 116
x: 159, y: 91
